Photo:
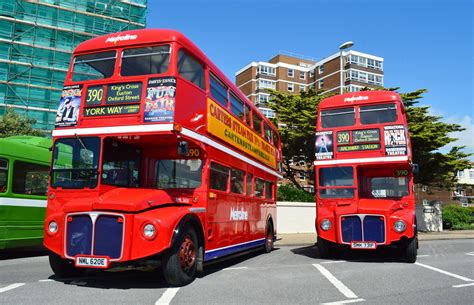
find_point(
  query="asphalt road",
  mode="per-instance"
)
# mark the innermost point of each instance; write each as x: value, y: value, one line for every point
x: 443, y: 274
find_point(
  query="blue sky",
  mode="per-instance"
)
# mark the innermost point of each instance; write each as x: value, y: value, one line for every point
x: 425, y: 43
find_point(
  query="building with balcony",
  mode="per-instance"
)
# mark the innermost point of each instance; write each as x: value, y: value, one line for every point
x: 291, y: 73
x: 37, y: 38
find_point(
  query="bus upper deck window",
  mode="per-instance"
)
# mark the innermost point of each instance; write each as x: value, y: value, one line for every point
x: 93, y: 66
x: 218, y: 90
x: 338, y: 117
x: 147, y: 60
x: 237, y: 107
x: 377, y: 114
x: 190, y: 69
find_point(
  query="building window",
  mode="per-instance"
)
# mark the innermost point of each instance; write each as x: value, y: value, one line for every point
x: 460, y: 174
x: 302, y: 75
x: 311, y: 73
x: 321, y: 84
x: 263, y: 98
x: 471, y: 174
x: 262, y: 83
x: 302, y: 176
x: 290, y: 87
x: 364, y: 77
x: 269, y: 113
x: 302, y: 88
x: 291, y: 73
x: 266, y: 70
x: 321, y: 69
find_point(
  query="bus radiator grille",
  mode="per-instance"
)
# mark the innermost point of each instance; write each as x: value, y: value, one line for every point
x: 363, y: 228
x: 106, y: 235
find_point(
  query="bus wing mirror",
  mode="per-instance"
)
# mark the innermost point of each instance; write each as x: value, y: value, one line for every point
x: 415, y: 168
x: 183, y: 148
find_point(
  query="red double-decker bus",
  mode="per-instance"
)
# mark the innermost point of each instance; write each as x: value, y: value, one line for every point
x: 157, y: 156
x: 364, y: 175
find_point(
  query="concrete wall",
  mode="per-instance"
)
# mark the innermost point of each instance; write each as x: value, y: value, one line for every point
x: 296, y: 217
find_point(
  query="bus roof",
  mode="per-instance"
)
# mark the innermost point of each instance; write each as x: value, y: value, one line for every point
x: 150, y: 36
x: 27, y: 147
x: 358, y: 98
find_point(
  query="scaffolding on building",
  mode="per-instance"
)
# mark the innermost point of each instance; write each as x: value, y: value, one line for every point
x: 37, y: 38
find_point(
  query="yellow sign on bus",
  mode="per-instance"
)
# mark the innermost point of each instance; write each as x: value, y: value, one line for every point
x: 229, y: 129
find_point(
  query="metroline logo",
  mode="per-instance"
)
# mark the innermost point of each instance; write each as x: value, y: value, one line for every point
x: 356, y: 98
x: 114, y: 39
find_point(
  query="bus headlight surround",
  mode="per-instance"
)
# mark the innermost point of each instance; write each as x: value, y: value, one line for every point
x: 53, y: 227
x: 149, y: 231
x: 399, y: 226
x: 325, y: 224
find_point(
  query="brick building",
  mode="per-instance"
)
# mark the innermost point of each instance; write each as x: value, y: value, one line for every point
x: 290, y: 73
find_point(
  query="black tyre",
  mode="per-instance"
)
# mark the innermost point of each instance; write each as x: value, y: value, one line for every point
x: 411, y: 250
x: 323, y: 247
x: 64, y: 267
x: 179, y: 263
x: 269, y: 238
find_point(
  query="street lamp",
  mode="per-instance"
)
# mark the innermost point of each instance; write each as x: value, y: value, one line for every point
x: 345, y: 45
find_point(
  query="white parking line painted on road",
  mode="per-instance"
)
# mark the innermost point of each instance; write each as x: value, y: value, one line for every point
x: 333, y: 262
x: 167, y: 296
x: 344, y: 302
x: 235, y: 268
x: 463, y: 285
x: 338, y: 284
x: 470, y: 253
x: 47, y: 280
x: 445, y: 272
x: 10, y: 287
x: 423, y: 255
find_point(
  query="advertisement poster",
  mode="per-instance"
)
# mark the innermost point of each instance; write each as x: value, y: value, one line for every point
x: 68, y: 106
x: 395, y: 140
x: 324, y: 145
x: 160, y: 100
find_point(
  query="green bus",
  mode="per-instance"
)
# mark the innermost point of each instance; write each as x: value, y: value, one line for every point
x: 24, y: 171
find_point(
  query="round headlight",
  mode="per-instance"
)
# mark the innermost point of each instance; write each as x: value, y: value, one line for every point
x: 53, y: 227
x: 399, y: 226
x: 149, y: 230
x: 325, y: 224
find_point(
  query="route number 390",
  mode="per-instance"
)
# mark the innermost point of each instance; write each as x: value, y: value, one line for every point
x: 192, y: 152
x: 94, y: 96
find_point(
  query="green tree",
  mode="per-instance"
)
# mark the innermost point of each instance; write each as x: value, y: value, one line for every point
x: 296, y: 121
x: 297, y: 115
x: 13, y: 124
x: 428, y: 135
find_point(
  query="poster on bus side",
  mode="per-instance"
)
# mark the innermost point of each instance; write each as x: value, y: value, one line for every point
x: 160, y: 100
x: 68, y: 106
x: 395, y: 140
x: 324, y: 145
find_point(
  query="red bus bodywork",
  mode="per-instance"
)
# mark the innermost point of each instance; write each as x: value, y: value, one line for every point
x: 364, y: 176
x: 151, y: 129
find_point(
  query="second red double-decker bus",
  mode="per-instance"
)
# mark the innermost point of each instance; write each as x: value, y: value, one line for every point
x: 156, y: 155
x: 364, y: 176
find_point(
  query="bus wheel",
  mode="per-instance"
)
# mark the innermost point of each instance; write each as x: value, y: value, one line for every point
x: 410, y: 250
x: 269, y: 237
x: 179, y: 264
x: 64, y: 267
x: 323, y: 247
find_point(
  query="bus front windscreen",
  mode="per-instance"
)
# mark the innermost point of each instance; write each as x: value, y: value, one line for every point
x: 336, y: 182
x: 388, y: 187
x: 75, y: 162
x: 338, y: 117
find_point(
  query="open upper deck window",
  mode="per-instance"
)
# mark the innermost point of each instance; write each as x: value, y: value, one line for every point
x: 338, y: 117
x: 93, y: 66
x: 375, y: 114
x: 147, y: 60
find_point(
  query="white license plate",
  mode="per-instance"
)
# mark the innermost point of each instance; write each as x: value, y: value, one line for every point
x: 91, y: 261
x: 363, y: 245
